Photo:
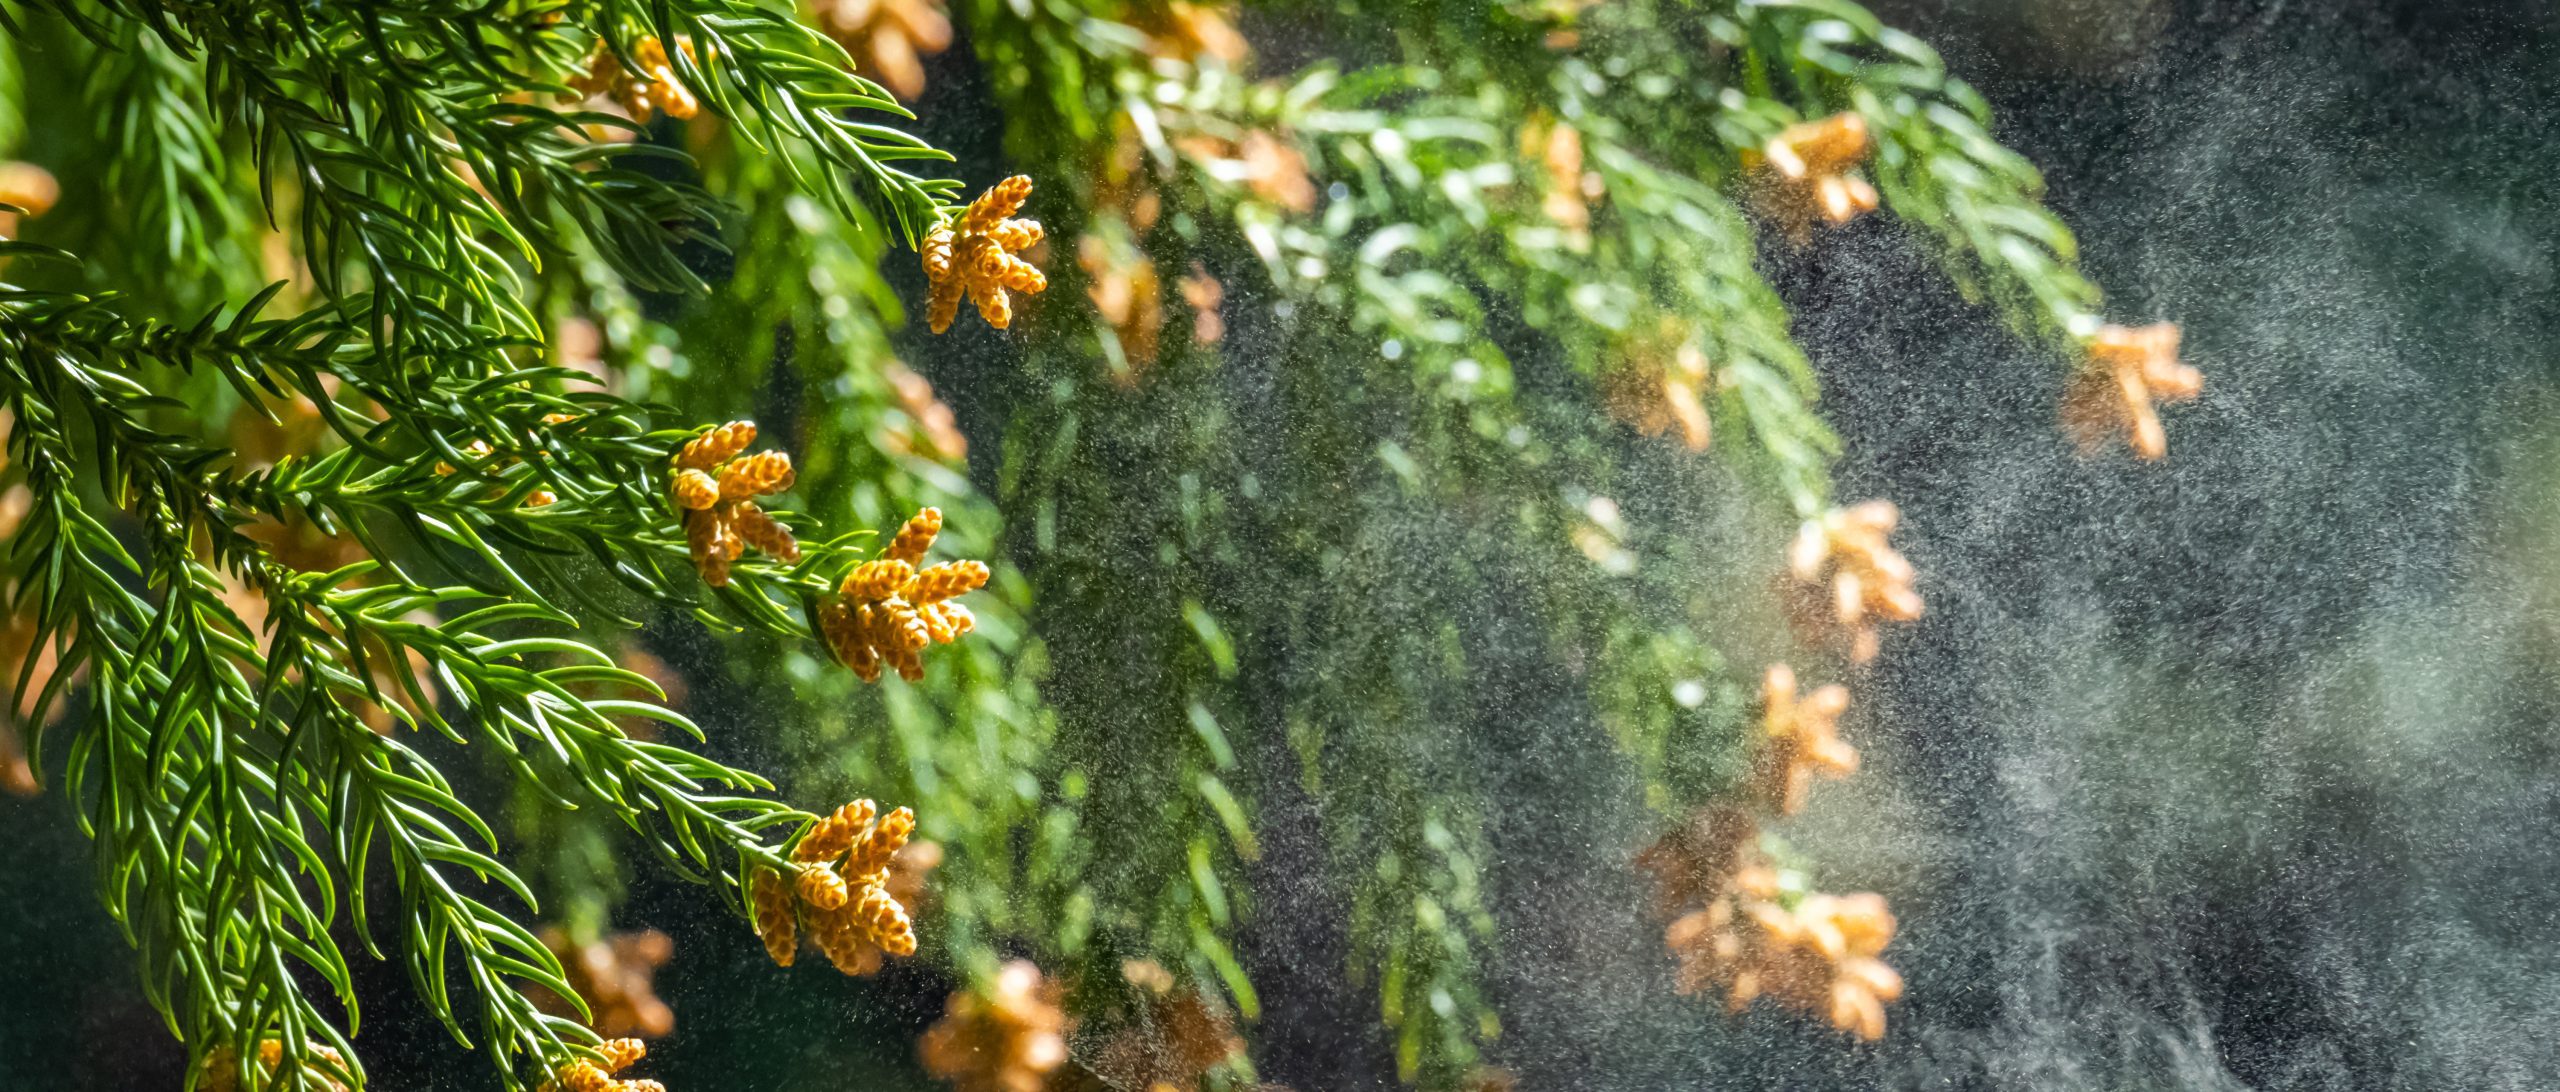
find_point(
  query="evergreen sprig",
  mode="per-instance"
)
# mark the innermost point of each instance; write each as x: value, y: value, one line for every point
x: 1509, y: 215
x: 1936, y: 162
x: 1454, y: 349
x: 213, y: 749
x: 225, y: 764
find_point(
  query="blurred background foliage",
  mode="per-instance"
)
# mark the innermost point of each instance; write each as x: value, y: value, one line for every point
x: 1358, y: 626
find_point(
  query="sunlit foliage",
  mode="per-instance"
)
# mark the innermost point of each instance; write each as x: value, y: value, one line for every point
x: 362, y: 376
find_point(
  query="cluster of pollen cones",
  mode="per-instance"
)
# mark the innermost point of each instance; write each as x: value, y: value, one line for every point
x: 2127, y: 371
x: 714, y: 485
x: 973, y: 256
x: 839, y: 891
x: 1007, y: 1037
x: 1805, y: 174
x: 1736, y: 928
x: 221, y: 1071
x: 1843, y: 569
x: 597, y: 1075
x: 887, y: 611
x: 651, y: 91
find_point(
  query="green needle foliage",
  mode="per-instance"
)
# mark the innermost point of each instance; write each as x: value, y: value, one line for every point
x: 225, y: 769
x: 1405, y: 511
x: 241, y: 804
x: 1332, y: 476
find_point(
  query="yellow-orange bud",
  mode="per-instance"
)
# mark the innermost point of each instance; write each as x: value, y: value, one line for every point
x: 620, y: 1053
x: 886, y: 922
x: 877, y: 580
x: 716, y: 446
x: 906, y: 629
x: 940, y: 582
x: 1001, y: 200
x: 713, y: 545
x: 843, y: 940
x: 695, y: 490
x: 1017, y: 235
x: 914, y: 538
x: 583, y: 1076
x: 943, y: 304
x: 755, y: 475
x: 774, y: 924
x: 870, y: 858
x: 760, y: 530
x: 831, y: 836
x: 821, y: 887
x: 936, y: 252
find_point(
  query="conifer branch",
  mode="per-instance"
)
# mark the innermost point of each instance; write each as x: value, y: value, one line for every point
x: 1936, y: 162
x: 213, y: 750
